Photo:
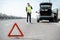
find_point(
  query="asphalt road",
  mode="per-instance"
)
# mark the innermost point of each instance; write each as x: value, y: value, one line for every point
x: 32, y: 31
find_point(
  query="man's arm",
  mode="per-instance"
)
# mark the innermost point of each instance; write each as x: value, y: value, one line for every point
x: 31, y: 7
x: 26, y: 8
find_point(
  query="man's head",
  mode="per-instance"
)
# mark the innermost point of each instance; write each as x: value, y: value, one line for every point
x: 28, y: 4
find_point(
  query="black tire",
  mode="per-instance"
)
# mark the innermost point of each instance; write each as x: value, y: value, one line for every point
x: 55, y: 17
x: 37, y: 21
x: 51, y: 20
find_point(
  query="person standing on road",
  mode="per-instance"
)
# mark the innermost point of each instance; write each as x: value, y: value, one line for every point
x: 28, y: 10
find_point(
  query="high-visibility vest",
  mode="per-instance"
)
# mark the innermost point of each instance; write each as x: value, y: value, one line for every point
x: 29, y: 9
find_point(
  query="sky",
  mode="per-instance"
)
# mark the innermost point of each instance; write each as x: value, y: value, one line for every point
x: 17, y: 7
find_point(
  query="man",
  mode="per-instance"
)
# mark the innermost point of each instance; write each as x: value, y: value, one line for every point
x: 28, y: 10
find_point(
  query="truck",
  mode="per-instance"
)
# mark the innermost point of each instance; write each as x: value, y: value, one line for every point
x: 46, y: 13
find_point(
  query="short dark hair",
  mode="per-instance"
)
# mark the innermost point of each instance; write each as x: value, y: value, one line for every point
x: 27, y: 3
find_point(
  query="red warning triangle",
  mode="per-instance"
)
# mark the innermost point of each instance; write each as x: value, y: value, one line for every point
x: 19, y: 35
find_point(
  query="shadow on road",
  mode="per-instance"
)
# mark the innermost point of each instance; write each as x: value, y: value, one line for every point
x: 25, y: 38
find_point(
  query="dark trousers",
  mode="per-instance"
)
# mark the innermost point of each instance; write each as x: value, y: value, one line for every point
x: 29, y: 17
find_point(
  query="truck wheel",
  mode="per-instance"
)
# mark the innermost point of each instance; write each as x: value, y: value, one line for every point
x: 55, y: 17
x: 37, y: 21
x: 51, y: 20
